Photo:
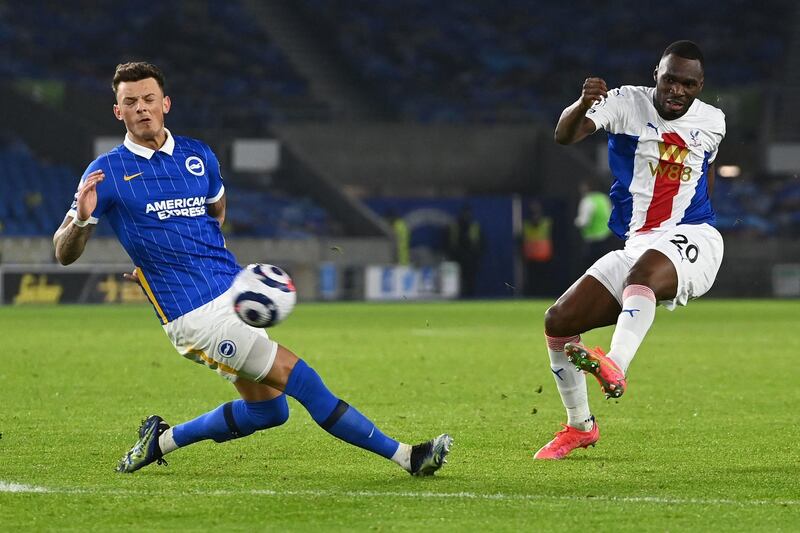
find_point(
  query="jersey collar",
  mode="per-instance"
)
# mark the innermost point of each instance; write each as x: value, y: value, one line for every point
x: 147, y: 153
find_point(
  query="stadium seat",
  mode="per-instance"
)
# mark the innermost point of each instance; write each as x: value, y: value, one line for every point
x: 495, y: 61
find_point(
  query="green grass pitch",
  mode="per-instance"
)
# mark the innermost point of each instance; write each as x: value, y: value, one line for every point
x: 706, y: 437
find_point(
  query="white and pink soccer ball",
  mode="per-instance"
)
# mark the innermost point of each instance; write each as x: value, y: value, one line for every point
x: 263, y: 295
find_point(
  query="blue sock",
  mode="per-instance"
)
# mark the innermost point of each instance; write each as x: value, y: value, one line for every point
x: 334, y: 415
x: 233, y: 420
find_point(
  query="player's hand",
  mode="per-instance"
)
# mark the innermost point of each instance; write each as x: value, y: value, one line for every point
x: 594, y: 90
x: 133, y: 276
x: 87, y: 195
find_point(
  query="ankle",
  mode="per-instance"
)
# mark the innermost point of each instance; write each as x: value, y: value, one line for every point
x: 582, y: 425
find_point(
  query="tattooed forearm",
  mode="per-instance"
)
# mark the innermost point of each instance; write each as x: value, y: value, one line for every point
x: 70, y: 240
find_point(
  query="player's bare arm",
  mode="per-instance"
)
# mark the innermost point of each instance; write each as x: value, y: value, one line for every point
x: 217, y: 210
x: 574, y: 126
x: 70, y: 239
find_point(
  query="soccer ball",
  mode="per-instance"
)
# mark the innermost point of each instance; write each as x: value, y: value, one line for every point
x: 264, y: 295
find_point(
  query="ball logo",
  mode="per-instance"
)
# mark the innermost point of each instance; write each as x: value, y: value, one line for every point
x: 227, y: 349
x: 195, y: 165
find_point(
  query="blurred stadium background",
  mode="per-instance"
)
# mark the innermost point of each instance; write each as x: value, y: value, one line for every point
x: 332, y: 116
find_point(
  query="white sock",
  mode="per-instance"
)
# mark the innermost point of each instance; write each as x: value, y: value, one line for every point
x: 571, y: 383
x: 166, y: 442
x: 403, y: 456
x: 638, y: 312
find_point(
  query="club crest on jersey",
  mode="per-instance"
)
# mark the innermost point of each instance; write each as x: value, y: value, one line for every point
x: 695, y: 136
x: 227, y: 348
x: 195, y: 165
x: 672, y: 152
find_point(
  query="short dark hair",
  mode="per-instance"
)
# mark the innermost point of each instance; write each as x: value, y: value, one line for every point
x: 136, y: 71
x: 687, y: 50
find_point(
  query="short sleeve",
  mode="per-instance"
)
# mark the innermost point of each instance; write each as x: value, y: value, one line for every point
x: 717, y: 135
x: 104, y: 198
x: 610, y: 112
x: 215, y: 186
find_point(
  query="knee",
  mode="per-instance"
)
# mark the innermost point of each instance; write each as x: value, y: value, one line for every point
x: 282, y: 368
x: 245, y: 418
x: 269, y: 414
x: 281, y: 414
x: 557, y: 322
x: 640, y: 274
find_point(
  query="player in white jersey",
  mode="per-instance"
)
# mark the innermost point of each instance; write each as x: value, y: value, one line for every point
x: 165, y: 200
x: 662, y: 142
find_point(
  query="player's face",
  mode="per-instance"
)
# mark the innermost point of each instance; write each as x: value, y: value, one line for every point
x: 678, y: 82
x: 141, y: 105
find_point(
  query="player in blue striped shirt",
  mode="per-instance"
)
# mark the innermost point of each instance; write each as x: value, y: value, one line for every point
x: 165, y: 200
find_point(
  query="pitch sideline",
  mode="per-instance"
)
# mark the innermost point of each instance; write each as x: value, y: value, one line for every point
x: 7, y: 487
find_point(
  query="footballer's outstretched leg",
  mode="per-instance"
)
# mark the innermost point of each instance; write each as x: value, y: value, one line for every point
x: 263, y: 406
x: 345, y: 422
x: 231, y: 420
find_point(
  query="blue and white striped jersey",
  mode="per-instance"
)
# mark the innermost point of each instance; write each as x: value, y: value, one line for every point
x: 156, y: 203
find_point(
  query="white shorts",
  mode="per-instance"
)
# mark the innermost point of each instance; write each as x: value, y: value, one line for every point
x: 213, y: 335
x: 695, y: 250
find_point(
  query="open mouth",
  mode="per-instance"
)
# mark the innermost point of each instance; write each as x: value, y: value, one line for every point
x: 675, y: 105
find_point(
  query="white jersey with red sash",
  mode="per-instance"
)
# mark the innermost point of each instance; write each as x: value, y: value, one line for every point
x: 660, y: 167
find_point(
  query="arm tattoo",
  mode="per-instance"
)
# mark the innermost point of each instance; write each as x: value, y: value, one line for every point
x: 70, y: 241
